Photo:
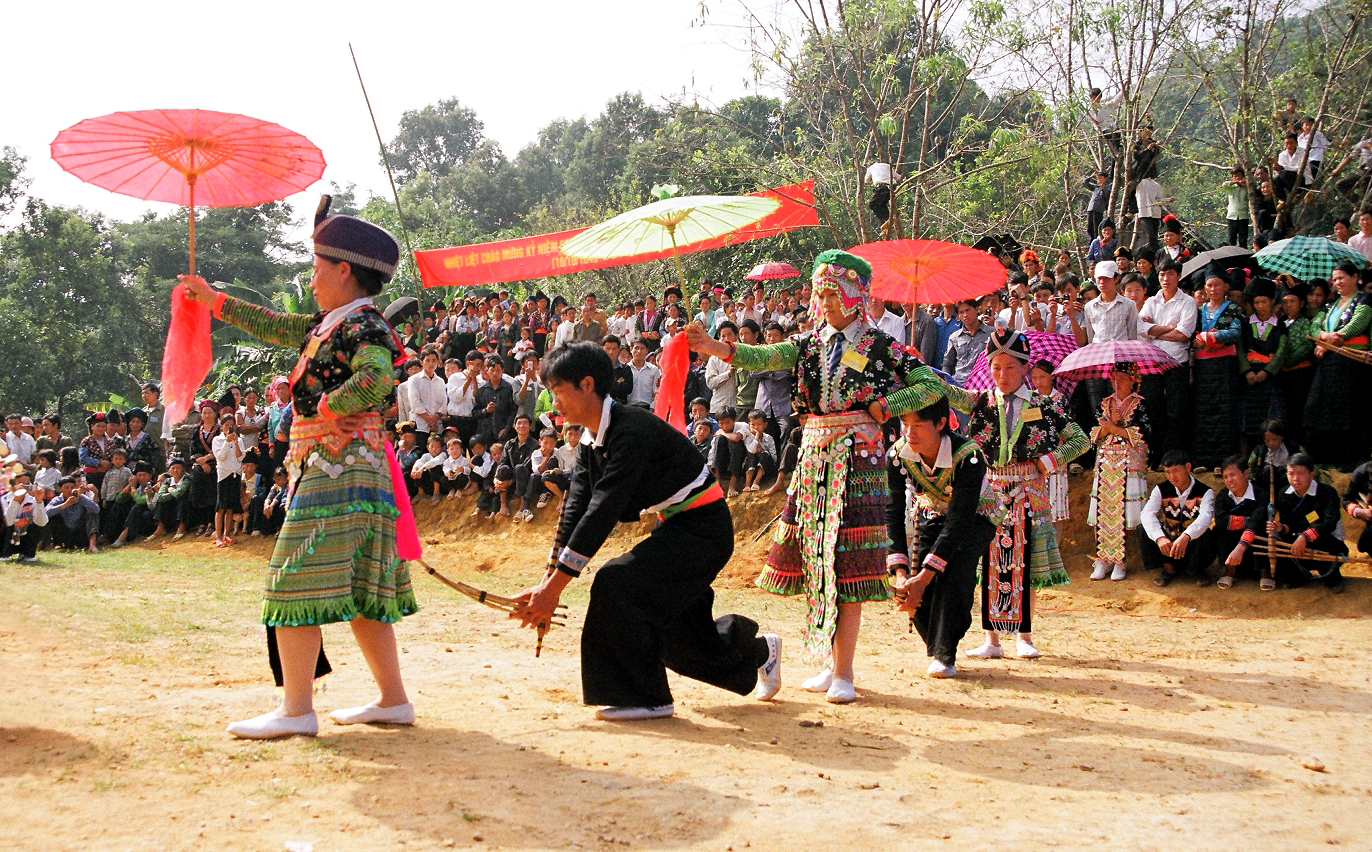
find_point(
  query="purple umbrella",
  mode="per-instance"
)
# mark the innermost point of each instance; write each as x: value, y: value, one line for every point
x: 1095, y: 360
x: 1043, y: 346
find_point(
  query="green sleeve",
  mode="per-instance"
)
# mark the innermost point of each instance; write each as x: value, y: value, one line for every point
x: 1299, y: 346
x: 1072, y: 442
x: 922, y: 387
x: 264, y: 324
x: 1279, y: 357
x: 370, y: 384
x: 771, y: 356
x: 960, y: 399
x: 1358, y: 325
x: 544, y: 405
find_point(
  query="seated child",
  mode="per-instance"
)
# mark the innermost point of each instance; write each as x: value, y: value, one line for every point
x: 760, y: 460
x: 78, y: 516
x: 700, y: 438
x: 456, y: 469
x: 726, y: 457
x: 427, y: 471
x: 140, y: 519
x: 274, y: 504
x: 483, y: 473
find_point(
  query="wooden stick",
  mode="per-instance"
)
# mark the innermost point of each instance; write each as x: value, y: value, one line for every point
x: 499, y: 602
x: 1362, y: 356
x: 1282, y: 549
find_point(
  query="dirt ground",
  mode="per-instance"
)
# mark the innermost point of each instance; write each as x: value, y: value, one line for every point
x: 1156, y: 719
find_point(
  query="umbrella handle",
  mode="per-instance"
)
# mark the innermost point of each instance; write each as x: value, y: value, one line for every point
x: 680, y: 273
x: 190, y: 181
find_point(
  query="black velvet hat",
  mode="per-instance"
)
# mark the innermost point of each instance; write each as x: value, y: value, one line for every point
x: 350, y: 240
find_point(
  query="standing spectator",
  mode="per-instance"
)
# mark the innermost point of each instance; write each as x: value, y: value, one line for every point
x: 1262, y: 354
x: 52, y: 437
x: 1171, y: 240
x: 1298, y: 364
x: 142, y: 446
x: 1120, y: 486
x: 881, y: 317
x: 1168, y: 320
x: 965, y: 343
x: 22, y: 445
x: 1236, y: 207
x: 921, y: 333
x: 646, y: 376
x: 1337, y: 409
x: 648, y: 325
x: 228, y: 458
x: 774, y: 393
x: 1287, y: 117
x: 462, y: 387
x: 566, y: 327
x: 750, y: 334
x: 1104, y: 244
x: 1101, y: 188
x: 495, y: 404
x: 1287, y: 165
x: 1217, y: 389
x: 527, y: 387
x: 94, y: 451
x: 1313, y: 141
x: 588, y: 328
x: 1150, y: 199
x: 428, y: 396
x: 623, y: 383
x: 1361, y: 242
x: 719, y: 374
x: 1174, y: 534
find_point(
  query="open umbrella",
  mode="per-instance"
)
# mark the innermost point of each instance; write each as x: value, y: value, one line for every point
x: 929, y: 271
x: 1043, y: 346
x: 168, y: 155
x: 1227, y: 257
x: 1305, y: 258
x: 1095, y: 360
x: 669, y: 223
x: 771, y: 271
x: 399, y: 310
x: 172, y: 155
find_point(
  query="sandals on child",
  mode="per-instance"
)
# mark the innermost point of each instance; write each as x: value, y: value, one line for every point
x: 1225, y: 582
x: 1268, y: 584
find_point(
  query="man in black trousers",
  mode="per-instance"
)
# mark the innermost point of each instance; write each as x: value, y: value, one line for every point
x: 651, y: 608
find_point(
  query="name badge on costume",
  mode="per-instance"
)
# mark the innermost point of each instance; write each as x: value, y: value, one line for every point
x: 853, y: 361
x: 311, y: 349
x: 1032, y: 414
x: 1312, y: 517
x: 1236, y: 523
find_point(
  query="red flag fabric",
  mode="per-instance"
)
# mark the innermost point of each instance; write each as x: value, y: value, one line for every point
x: 500, y: 262
x: 188, y: 357
x: 674, y: 362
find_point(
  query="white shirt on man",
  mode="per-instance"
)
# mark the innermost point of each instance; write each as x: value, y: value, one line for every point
x: 1179, y: 311
x: 1290, y: 161
x: 1358, y: 243
x: 22, y: 445
x: 428, y: 396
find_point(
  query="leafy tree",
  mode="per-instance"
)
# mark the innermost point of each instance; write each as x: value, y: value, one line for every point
x: 436, y: 139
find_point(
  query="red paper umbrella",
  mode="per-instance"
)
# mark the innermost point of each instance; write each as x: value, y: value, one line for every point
x: 771, y: 271
x: 189, y: 157
x: 174, y: 155
x: 929, y: 271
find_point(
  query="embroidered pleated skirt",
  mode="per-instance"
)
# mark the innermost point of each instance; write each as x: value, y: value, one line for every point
x: 335, y: 558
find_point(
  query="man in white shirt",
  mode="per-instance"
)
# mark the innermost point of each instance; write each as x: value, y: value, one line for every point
x: 882, y: 177
x: 719, y: 374
x: 886, y: 321
x: 1168, y: 321
x: 462, y: 387
x: 1315, y: 141
x: 566, y: 327
x: 1174, y: 532
x: 1360, y: 242
x: 1150, y: 200
x: 428, y: 394
x: 21, y: 443
x: 646, y: 377
x: 1288, y: 165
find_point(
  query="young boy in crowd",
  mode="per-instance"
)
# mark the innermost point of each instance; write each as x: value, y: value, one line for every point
x: 113, y: 513
x: 1233, y: 507
x: 726, y: 456
x: 457, y: 470
x: 543, y: 470
x: 172, y: 487
x: 700, y: 413
x: 140, y: 519
x: 427, y: 470
x: 78, y: 516
x: 274, y: 506
x: 46, y: 476
x: 1174, y: 534
x: 761, y: 459
x: 700, y: 438
x: 254, y: 494
x: 25, y: 515
x: 489, y: 499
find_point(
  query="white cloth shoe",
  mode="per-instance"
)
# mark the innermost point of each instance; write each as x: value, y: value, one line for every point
x: 632, y: 714
x: 769, y: 674
x: 987, y: 652
x: 372, y: 714
x: 820, y: 682
x: 1025, y: 651
x: 938, y: 670
x: 275, y: 724
x: 1117, y: 574
x: 1099, y: 570
x: 841, y: 692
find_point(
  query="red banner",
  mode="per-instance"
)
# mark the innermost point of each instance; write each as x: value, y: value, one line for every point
x: 540, y: 257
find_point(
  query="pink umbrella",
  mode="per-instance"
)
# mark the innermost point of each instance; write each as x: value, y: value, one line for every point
x: 1094, y: 360
x: 1043, y: 346
x: 771, y: 271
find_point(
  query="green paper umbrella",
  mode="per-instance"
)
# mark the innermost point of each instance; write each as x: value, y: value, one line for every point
x: 669, y: 224
x: 1305, y: 258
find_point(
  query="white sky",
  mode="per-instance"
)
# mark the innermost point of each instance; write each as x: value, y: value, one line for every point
x: 519, y: 64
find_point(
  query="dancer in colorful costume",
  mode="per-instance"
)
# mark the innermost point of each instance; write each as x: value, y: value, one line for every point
x: 850, y: 378
x: 336, y: 556
x: 1024, y: 437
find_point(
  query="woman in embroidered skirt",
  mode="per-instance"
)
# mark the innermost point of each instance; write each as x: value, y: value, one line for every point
x: 1025, y: 438
x: 1216, y: 374
x: 1120, y: 487
x: 850, y: 378
x: 335, y: 559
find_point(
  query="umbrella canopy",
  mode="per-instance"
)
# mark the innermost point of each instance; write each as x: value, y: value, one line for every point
x: 929, y: 271
x: 399, y: 310
x: 189, y: 157
x: 1094, y: 360
x: 1227, y: 257
x: 1305, y: 258
x: 1043, y: 346
x: 771, y: 271
x: 669, y: 224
